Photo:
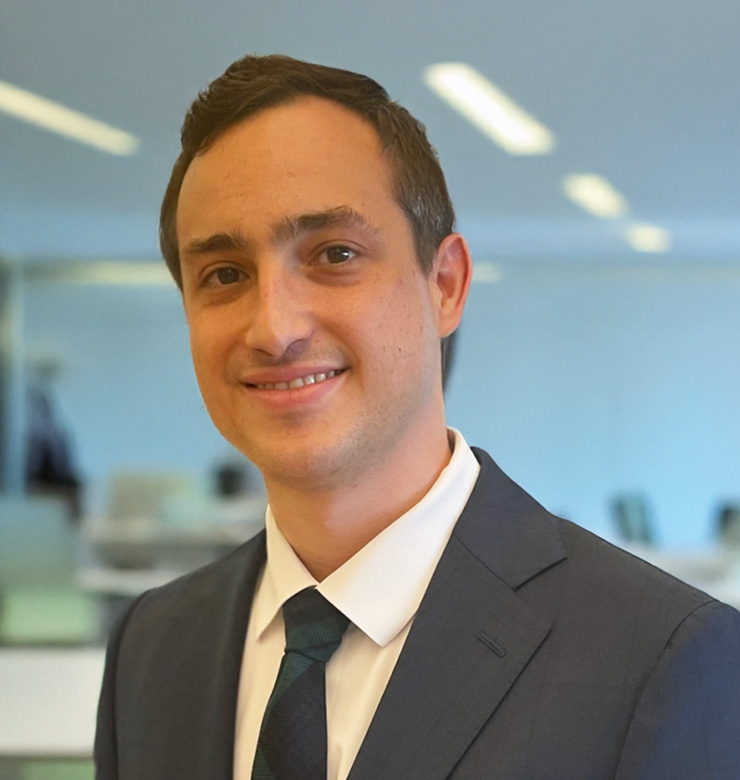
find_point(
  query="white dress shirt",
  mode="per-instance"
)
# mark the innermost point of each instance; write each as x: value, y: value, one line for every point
x: 379, y: 589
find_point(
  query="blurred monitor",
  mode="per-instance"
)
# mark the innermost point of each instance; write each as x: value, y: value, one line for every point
x: 633, y: 519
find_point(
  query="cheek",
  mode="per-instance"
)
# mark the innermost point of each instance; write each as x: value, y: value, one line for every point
x: 198, y: 349
x: 401, y: 331
x: 204, y: 374
x: 409, y: 312
x: 211, y: 331
x: 207, y: 344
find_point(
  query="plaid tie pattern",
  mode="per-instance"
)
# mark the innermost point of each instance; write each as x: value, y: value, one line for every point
x: 292, y: 739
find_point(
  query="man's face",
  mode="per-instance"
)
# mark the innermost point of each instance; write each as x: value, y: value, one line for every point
x: 314, y: 332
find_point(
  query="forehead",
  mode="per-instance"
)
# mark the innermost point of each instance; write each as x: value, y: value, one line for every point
x: 307, y: 155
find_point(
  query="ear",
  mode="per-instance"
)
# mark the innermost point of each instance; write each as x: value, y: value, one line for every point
x: 449, y: 281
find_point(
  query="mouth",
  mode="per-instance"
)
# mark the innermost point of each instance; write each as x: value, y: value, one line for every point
x: 301, y: 381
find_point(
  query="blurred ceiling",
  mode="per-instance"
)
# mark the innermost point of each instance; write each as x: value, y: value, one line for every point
x: 643, y: 92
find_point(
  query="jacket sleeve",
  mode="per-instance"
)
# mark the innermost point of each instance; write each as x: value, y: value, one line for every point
x: 106, y: 750
x: 687, y: 722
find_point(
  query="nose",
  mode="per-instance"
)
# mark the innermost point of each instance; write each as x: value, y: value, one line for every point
x: 280, y: 322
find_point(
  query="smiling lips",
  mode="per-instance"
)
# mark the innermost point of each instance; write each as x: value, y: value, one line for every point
x: 301, y: 381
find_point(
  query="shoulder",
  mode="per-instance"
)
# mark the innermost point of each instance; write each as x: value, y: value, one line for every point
x: 619, y: 575
x: 619, y: 598
x: 684, y: 724
x: 625, y: 584
x: 580, y: 583
x: 212, y: 590
x: 188, y: 631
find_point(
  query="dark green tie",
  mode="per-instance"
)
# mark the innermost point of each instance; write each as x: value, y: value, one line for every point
x: 292, y: 740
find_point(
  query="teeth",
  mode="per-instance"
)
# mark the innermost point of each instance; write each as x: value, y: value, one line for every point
x: 294, y: 384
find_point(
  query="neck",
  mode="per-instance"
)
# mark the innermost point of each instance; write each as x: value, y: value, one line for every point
x: 326, y: 528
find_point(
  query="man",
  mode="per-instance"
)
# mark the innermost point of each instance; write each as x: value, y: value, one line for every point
x: 308, y: 226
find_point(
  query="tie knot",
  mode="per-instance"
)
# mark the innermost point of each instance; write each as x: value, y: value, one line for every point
x: 313, y: 626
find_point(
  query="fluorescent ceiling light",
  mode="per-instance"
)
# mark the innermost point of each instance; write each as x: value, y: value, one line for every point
x: 487, y: 273
x: 489, y: 109
x: 64, y: 121
x: 594, y: 194
x: 643, y: 237
x: 123, y: 273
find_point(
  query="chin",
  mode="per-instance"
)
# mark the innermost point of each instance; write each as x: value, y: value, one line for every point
x: 306, y: 466
x: 302, y: 473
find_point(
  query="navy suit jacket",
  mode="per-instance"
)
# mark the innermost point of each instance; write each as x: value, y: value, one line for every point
x: 539, y: 652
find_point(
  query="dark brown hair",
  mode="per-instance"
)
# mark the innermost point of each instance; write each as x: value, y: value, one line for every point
x: 254, y: 83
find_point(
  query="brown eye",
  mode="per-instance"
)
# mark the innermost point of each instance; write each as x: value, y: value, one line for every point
x: 339, y: 254
x: 227, y: 276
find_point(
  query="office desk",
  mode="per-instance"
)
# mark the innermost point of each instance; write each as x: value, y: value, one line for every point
x: 49, y: 701
x: 146, y: 542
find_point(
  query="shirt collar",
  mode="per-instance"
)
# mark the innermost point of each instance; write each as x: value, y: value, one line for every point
x: 380, y: 588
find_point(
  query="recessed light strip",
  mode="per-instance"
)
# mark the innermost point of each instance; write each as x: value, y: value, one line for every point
x: 489, y: 109
x: 594, y: 194
x: 65, y: 121
x: 103, y: 272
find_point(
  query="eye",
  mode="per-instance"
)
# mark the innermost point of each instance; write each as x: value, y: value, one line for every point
x: 336, y: 255
x: 222, y: 277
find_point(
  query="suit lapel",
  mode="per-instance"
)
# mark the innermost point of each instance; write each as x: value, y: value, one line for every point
x: 471, y: 638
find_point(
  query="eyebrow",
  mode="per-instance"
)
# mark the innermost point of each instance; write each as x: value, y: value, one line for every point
x: 284, y: 230
x: 291, y: 227
x: 234, y: 241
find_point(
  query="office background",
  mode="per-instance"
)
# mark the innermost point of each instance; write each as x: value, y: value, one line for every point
x: 594, y: 366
